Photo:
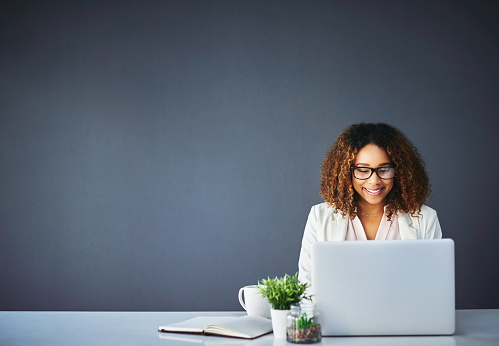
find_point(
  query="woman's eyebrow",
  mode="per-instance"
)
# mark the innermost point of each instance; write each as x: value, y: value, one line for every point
x: 367, y: 165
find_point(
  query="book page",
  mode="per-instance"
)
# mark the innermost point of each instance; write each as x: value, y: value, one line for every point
x: 243, y: 327
x: 194, y: 325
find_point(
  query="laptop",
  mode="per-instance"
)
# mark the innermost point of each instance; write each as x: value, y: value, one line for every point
x: 392, y: 287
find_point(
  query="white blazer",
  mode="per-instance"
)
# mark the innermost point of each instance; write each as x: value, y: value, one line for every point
x: 324, y: 225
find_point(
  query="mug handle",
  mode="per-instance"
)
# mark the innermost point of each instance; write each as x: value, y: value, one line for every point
x: 240, y: 296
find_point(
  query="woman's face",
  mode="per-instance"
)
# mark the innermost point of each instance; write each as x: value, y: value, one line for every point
x: 373, y: 190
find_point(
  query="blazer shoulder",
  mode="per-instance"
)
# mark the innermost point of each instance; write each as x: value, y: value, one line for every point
x: 326, y: 224
x: 324, y: 210
x: 425, y: 214
x: 426, y: 210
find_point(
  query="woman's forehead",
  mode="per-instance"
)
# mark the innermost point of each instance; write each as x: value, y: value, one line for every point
x: 372, y: 155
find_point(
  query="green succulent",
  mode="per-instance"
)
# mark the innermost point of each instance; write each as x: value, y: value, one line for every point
x: 304, y: 322
x: 283, y: 292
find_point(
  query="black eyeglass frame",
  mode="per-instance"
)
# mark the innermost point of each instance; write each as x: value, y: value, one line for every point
x: 372, y: 171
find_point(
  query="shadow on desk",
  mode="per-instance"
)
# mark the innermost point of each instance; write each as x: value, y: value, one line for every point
x: 215, y: 340
x: 337, y: 341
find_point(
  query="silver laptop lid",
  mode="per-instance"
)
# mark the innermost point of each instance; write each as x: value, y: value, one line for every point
x: 393, y: 287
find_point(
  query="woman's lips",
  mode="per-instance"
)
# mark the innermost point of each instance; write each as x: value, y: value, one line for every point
x: 374, y: 192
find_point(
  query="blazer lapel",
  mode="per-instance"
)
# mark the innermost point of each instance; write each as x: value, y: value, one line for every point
x: 341, y: 226
x: 406, y: 227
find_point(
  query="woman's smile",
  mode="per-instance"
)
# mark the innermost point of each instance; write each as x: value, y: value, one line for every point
x: 374, y: 192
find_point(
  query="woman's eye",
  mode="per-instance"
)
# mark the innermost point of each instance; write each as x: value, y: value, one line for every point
x: 363, y: 170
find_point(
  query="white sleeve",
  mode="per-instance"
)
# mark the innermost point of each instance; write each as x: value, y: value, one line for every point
x: 309, y: 237
x: 432, y: 226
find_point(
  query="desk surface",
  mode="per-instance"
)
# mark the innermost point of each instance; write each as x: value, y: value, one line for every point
x: 473, y: 327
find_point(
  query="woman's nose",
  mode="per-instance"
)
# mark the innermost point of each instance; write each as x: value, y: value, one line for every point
x: 374, y: 178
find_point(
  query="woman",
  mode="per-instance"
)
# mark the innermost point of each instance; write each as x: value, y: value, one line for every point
x: 374, y: 185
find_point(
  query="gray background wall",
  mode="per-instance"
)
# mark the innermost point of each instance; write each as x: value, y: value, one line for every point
x: 158, y: 155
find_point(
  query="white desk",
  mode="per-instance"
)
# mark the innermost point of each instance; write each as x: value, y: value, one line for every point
x: 473, y: 327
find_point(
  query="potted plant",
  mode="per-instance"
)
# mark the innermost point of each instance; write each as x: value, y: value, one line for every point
x: 282, y: 293
x: 303, y: 325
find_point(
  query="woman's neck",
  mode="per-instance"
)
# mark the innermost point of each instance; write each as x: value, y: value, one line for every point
x: 367, y: 209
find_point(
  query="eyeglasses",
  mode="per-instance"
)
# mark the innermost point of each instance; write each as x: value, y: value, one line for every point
x: 364, y: 173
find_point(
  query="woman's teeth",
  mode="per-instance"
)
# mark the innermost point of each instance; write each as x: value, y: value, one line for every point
x: 373, y: 191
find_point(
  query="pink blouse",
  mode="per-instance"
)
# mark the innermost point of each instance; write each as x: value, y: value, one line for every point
x: 387, y: 230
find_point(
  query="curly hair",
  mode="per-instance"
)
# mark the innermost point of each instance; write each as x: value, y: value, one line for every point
x: 411, y: 186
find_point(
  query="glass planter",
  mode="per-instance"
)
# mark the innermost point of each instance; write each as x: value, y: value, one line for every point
x: 303, y: 324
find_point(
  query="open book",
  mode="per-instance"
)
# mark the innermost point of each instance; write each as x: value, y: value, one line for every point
x: 247, y: 327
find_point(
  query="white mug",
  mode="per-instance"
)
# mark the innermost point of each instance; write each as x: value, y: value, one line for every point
x: 253, y: 302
